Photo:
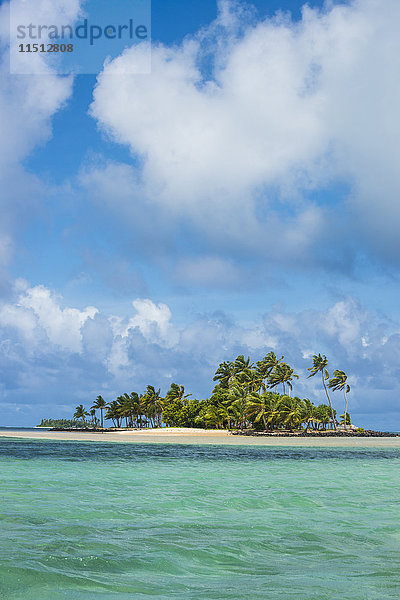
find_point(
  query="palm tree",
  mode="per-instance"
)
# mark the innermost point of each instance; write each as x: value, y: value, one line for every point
x: 123, y: 409
x: 348, y: 420
x: 267, y: 365
x: 176, y: 392
x: 114, y: 413
x: 155, y: 404
x: 215, y: 416
x: 273, y: 409
x: 241, y: 364
x: 294, y: 411
x: 239, y: 411
x: 240, y: 396
x: 81, y: 413
x: 339, y: 382
x: 224, y: 374
x: 101, y: 404
x: 257, y: 408
x: 310, y: 415
x: 282, y: 373
x: 319, y: 365
x: 249, y: 377
x: 127, y: 408
x: 323, y: 415
x: 270, y: 361
x: 141, y: 407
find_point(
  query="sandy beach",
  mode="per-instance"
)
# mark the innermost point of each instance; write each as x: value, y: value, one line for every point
x: 204, y: 436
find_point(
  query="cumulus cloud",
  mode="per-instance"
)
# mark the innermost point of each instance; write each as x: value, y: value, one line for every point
x: 47, y: 346
x: 237, y: 125
x: 151, y: 322
x: 37, y: 311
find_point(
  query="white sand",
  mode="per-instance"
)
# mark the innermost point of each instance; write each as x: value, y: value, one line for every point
x: 205, y: 436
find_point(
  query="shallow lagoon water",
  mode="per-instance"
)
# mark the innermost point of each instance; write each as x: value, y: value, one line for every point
x: 88, y: 521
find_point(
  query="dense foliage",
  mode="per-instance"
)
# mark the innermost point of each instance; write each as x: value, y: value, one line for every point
x: 245, y: 395
x: 64, y: 423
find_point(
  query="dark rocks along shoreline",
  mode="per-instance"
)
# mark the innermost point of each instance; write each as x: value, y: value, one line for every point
x: 320, y: 434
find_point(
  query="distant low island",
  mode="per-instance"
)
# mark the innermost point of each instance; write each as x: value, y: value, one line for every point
x: 247, y: 398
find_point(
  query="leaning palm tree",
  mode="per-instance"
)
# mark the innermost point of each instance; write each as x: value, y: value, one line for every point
x: 319, y: 366
x: 81, y: 413
x: 339, y: 382
x: 101, y: 404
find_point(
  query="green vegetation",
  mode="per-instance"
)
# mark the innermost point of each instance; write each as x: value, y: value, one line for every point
x: 245, y: 396
x: 64, y: 423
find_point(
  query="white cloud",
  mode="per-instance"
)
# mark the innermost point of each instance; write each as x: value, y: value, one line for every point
x: 199, y: 141
x: 37, y: 312
x: 287, y: 106
x: 152, y: 320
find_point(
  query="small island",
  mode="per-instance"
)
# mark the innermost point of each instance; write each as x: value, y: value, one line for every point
x: 247, y: 399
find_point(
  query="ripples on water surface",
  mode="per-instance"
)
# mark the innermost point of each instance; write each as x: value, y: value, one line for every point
x: 87, y: 521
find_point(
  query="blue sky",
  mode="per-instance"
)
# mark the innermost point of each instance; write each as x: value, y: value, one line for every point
x: 242, y: 197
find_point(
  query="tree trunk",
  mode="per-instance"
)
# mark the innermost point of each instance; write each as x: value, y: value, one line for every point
x: 330, y: 403
x: 345, y: 408
x: 264, y: 421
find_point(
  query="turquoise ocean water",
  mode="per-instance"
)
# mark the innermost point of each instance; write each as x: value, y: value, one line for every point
x: 88, y: 521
